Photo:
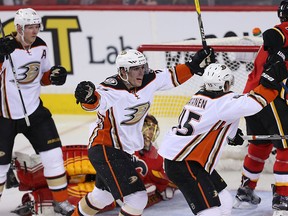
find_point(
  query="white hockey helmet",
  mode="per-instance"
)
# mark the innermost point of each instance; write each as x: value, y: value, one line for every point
x: 27, y: 16
x: 216, y: 75
x: 130, y: 58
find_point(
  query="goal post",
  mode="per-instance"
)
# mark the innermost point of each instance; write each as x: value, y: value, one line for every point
x: 235, y: 52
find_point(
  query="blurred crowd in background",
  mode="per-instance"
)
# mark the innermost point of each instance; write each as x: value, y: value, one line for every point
x: 141, y: 2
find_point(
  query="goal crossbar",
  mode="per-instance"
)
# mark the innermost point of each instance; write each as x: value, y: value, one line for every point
x: 187, y: 48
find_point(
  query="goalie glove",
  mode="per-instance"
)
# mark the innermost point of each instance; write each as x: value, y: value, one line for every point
x: 7, y: 45
x: 237, y: 140
x: 84, y: 93
x: 273, y: 75
x: 58, y: 75
x: 201, y: 60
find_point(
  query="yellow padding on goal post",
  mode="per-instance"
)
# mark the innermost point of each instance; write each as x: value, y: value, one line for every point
x: 162, y: 105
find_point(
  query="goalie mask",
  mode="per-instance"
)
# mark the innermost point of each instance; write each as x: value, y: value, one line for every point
x: 283, y: 11
x: 27, y: 16
x: 217, y: 77
x: 150, y: 131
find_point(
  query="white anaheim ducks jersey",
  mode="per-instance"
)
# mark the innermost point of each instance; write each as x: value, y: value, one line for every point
x: 29, y: 67
x: 121, y: 112
x: 205, y: 124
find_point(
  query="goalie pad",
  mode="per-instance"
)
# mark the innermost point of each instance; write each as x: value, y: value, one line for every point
x: 76, y: 160
x: 29, y: 170
x: 80, y: 173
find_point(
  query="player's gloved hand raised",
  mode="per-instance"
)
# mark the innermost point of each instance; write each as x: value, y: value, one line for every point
x: 202, y: 58
x: 58, y: 75
x: 273, y: 75
x: 237, y: 140
x: 7, y: 45
x: 84, y: 92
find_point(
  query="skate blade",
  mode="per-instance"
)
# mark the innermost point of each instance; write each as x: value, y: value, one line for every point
x: 280, y: 213
x: 243, y: 205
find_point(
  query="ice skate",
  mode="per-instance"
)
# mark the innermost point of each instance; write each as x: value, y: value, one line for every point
x: 246, y: 198
x: 63, y: 208
x: 279, y: 203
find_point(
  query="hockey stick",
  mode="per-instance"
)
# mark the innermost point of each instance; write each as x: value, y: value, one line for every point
x: 200, y: 23
x: 15, y: 79
x: 265, y: 137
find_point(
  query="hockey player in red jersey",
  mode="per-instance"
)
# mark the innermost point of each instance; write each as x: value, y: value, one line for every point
x: 22, y: 110
x: 273, y: 119
x: 150, y: 164
x: 207, y: 123
x: 122, y: 101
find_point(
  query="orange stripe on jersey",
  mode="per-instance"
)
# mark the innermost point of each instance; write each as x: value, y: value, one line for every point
x: 183, y: 73
x: 205, y: 148
x: 106, y: 132
x: 199, y: 185
x: 112, y: 172
x: 265, y: 95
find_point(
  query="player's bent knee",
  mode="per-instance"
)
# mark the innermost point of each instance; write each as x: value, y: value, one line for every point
x: 100, y: 198
x: 52, y: 161
x: 135, y: 203
x: 282, y: 155
x: 94, y: 201
x: 126, y: 210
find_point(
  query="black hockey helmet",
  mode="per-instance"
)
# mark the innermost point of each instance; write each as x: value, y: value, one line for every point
x: 283, y: 11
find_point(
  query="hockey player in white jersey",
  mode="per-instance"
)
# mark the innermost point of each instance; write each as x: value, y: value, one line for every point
x: 22, y: 110
x: 207, y: 123
x: 122, y: 102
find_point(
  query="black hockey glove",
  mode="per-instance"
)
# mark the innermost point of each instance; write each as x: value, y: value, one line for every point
x: 273, y: 58
x: 201, y: 60
x: 7, y: 45
x: 84, y: 92
x: 273, y: 75
x: 237, y: 140
x: 58, y: 75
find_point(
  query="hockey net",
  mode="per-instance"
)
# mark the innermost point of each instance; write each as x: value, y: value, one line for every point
x: 237, y: 53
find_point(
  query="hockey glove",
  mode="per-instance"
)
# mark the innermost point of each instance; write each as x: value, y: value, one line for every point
x: 84, y: 93
x: 7, y: 45
x: 58, y: 75
x: 201, y: 60
x: 273, y: 58
x: 237, y: 140
x: 273, y: 75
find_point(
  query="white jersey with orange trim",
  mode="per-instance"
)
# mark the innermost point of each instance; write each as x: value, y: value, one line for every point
x: 206, y: 123
x: 29, y: 67
x: 121, y: 112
